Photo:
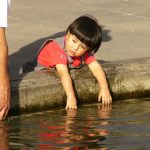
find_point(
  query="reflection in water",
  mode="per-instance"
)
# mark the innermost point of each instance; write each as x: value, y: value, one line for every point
x: 75, y: 134
x: 126, y: 126
x: 3, y: 136
x: 72, y: 129
x: 104, y: 112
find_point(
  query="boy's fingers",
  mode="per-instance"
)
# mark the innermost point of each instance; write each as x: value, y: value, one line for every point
x: 107, y: 101
x: 110, y: 100
x: 73, y: 107
x: 99, y: 97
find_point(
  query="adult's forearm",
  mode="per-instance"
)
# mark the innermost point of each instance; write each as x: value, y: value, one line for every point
x: 3, y: 54
x: 4, y: 77
x: 3, y: 64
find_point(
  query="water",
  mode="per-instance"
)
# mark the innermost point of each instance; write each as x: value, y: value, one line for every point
x: 124, y: 126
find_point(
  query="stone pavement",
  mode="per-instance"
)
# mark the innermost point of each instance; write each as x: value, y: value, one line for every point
x: 125, y: 23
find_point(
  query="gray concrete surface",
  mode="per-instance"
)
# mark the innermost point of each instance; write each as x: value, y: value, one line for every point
x: 42, y: 90
x: 126, y: 26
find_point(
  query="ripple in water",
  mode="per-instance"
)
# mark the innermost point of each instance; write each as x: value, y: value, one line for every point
x: 123, y: 126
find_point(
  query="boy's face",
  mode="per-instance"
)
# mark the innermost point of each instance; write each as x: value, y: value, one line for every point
x: 74, y: 47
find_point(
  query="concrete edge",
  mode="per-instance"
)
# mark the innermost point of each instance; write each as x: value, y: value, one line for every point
x: 42, y: 90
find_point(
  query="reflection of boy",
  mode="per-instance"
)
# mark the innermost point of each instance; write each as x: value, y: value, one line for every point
x: 4, y: 76
x: 83, y: 38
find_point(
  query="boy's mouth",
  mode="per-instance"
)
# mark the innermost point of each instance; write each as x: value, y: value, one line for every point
x: 71, y: 53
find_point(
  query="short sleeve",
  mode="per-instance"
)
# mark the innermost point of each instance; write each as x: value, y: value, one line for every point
x: 51, y: 55
x: 4, y: 5
x: 89, y: 58
x: 58, y: 55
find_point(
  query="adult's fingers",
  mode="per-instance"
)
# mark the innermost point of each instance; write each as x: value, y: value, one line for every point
x: 3, y: 112
x: 6, y: 112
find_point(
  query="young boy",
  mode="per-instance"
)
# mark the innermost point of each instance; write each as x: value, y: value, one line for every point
x: 83, y: 38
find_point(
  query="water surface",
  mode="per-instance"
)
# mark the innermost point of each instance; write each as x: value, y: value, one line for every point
x: 123, y: 126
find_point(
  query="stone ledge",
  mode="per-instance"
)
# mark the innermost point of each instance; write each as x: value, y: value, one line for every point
x: 43, y: 90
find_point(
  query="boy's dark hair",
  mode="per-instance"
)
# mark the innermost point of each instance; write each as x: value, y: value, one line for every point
x: 88, y: 31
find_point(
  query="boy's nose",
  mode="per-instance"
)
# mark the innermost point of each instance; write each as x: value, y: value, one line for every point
x: 76, y: 47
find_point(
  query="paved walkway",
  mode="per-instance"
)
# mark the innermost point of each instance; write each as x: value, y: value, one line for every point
x: 126, y: 26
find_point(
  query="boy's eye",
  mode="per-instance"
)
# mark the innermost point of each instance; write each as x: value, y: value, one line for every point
x: 83, y: 47
x: 74, y: 40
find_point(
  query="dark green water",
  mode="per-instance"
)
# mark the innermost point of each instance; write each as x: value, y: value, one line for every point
x: 124, y: 126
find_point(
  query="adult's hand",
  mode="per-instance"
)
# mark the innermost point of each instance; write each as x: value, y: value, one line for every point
x: 4, y: 97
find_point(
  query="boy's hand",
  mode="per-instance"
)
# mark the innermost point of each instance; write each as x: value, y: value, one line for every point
x: 104, y: 96
x: 71, y: 103
x: 67, y: 85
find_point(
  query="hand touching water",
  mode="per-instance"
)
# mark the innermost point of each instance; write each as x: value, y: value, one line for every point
x: 104, y: 96
x: 71, y: 103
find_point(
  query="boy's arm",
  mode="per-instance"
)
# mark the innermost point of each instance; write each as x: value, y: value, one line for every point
x: 98, y: 72
x: 67, y: 85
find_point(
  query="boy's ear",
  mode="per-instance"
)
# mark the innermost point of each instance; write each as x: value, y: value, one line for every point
x: 67, y: 35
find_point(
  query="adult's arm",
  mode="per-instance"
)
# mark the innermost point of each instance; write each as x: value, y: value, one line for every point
x: 4, y: 76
